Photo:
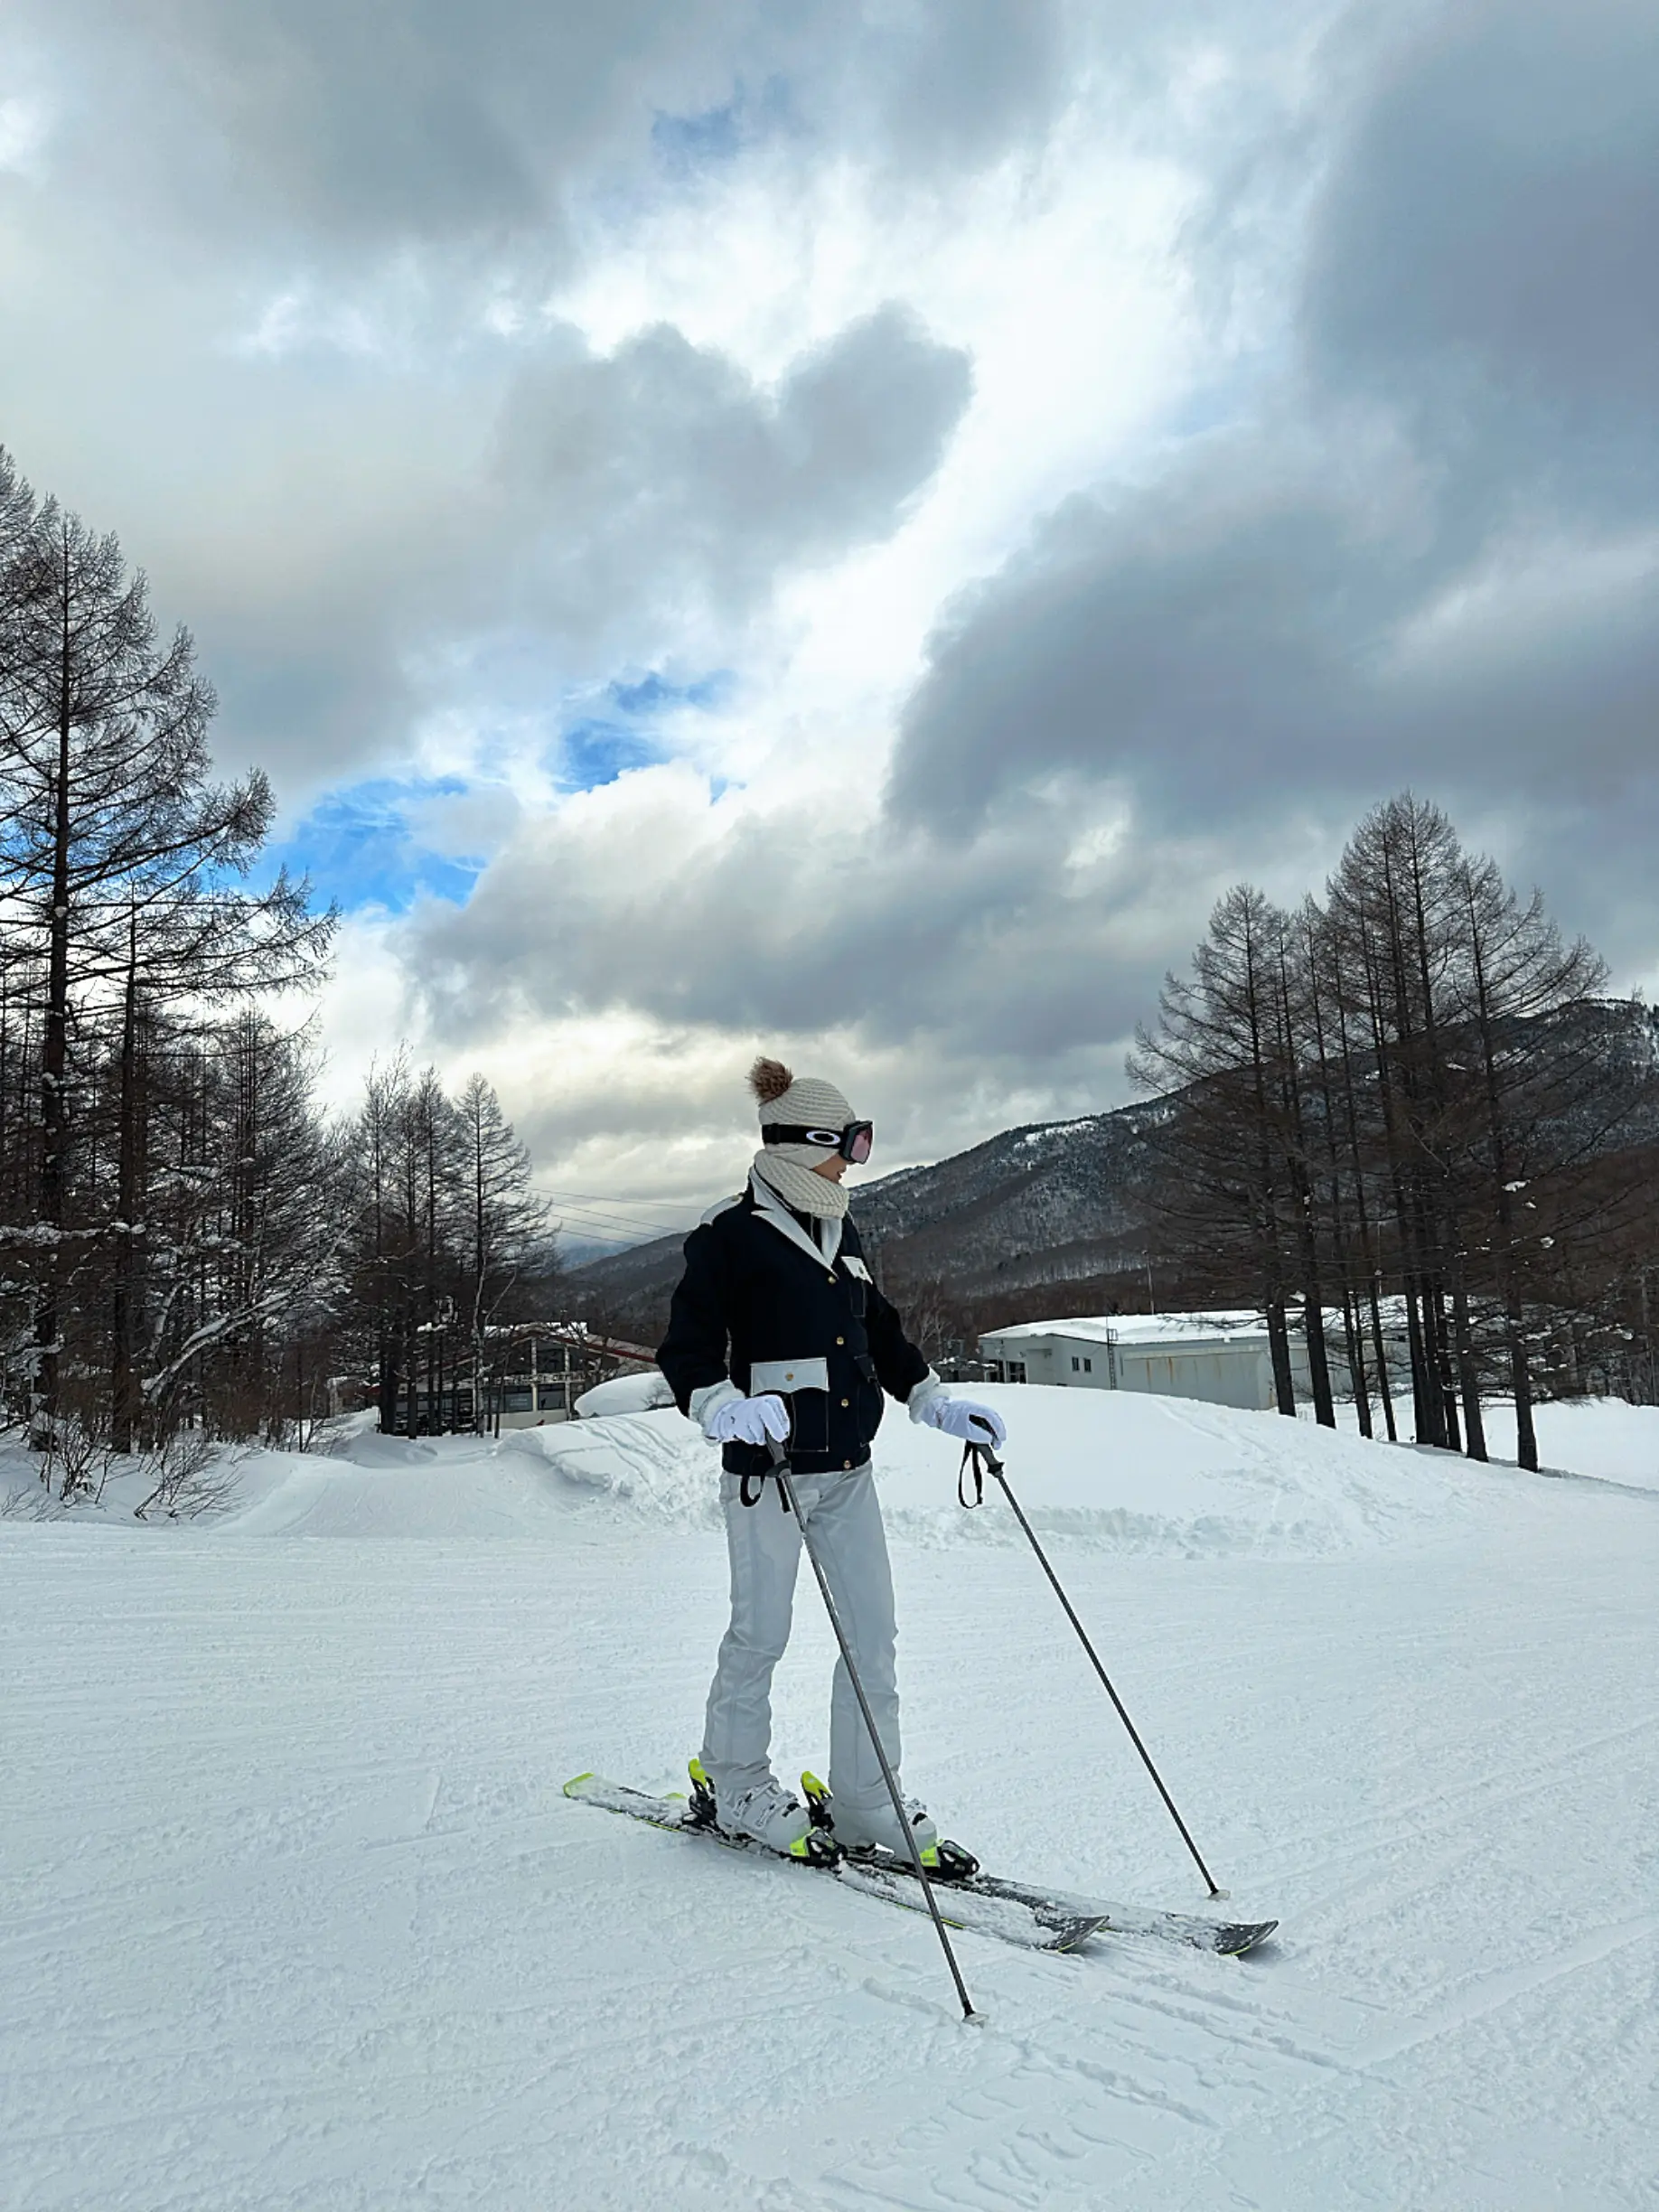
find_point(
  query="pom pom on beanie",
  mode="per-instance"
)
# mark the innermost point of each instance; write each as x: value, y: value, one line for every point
x: 769, y: 1080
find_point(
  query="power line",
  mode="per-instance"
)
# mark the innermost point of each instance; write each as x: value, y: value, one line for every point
x: 609, y: 1198
x: 611, y: 1215
x: 598, y: 1216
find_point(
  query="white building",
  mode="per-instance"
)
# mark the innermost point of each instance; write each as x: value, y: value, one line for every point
x: 1221, y: 1357
x: 534, y: 1371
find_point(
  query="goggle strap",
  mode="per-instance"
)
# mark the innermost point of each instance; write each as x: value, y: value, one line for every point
x: 844, y: 1141
x: 789, y: 1132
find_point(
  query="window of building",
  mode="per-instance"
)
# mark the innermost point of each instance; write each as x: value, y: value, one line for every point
x: 1017, y: 1371
x: 1088, y: 1367
x: 1074, y: 1364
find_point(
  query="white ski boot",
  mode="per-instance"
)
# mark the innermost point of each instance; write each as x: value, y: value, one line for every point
x: 875, y: 1834
x: 765, y: 1814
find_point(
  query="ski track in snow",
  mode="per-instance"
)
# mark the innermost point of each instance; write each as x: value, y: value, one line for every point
x: 295, y: 1918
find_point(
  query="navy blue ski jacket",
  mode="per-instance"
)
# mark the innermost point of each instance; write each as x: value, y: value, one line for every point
x: 755, y: 1307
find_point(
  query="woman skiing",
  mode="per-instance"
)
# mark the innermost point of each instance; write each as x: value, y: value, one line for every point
x: 777, y: 1331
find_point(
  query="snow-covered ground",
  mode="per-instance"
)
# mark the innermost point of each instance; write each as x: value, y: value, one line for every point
x: 294, y: 1917
x: 1601, y: 1439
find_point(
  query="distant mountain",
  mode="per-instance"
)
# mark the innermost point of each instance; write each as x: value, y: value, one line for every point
x: 1045, y: 1203
x: 1038, y: 1222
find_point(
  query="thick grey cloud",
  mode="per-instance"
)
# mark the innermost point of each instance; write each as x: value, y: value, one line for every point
x: 253, y: 265
x: 340, y: 559
x: 1414, y: 563
x: 351, y: 123
x: 1433, y: 554
x: 616, y: 499
x: 789, y: 923
x: 663, y: 472
x: 254, y: 256
x: 1216, y: 661
x: 346, y: 122
x: 1487, y: 239
x: 955, y: 84
x: 1195, y: 647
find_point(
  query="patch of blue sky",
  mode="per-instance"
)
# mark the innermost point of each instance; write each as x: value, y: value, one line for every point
x: 595, y: 751
x: 1219, y: 403
x: 623, y: 732
x: 655, y: 694
x: 357, y: 846
x: 686, y: 144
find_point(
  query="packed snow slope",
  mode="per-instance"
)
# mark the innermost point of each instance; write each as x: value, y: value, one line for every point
x: 294, y: 1917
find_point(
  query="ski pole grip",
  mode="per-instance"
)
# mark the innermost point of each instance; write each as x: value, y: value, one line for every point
x: 993, y: 1466
x: 781, y: 1469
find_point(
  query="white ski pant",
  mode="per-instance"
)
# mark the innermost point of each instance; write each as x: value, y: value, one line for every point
x: 764, y: 1544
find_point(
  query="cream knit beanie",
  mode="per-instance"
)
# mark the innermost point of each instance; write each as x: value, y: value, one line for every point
x: 803, y: 1102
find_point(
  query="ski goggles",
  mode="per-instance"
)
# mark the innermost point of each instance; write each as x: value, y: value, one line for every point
x: 853, y: 1142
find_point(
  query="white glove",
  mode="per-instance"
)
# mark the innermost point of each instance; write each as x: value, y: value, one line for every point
x: 749, y: 1420
x: 962, y: 1418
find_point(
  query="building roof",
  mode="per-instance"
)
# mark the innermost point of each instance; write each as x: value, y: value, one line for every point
x: 1162, y: 1328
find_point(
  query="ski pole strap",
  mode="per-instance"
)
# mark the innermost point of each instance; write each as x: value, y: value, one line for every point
x: 972, y: 1468
x: 983, y: 1461
x: 759, y: 1479
x: 780, y: 1467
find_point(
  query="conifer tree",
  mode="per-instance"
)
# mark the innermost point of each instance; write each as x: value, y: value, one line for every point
x: 123, y: 865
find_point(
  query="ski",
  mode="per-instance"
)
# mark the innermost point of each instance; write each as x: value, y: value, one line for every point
x: 1227, y: 1938
x: 1032, y: 1923
x: 1014, y: 1912
x: 961, y: 1872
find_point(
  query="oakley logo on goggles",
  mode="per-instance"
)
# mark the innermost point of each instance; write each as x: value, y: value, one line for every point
x: 853, y: 1142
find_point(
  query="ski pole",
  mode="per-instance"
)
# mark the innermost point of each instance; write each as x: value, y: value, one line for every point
x: 982, y: 1454
x: 781, y: 1470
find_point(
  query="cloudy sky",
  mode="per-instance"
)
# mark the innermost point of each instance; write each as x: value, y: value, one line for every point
x: 841, y: 525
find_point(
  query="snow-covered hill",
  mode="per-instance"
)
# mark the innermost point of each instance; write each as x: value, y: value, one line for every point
x: 294, y: 1917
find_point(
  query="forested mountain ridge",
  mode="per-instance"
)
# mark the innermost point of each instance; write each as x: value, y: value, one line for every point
x: 1049, y: 1202
x: 1037, y: 1203
x: 1036, y: 1220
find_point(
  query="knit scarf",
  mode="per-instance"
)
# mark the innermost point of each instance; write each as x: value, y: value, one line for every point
x: 800, y: 1188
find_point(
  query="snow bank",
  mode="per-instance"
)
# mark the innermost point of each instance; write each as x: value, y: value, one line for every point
x: 655, y: 1463
x: 444, y: 1489
x: 1130, y: 1472
x: 1113, y: 1471
x: 1118, y: 1471
x: 632, y: 1393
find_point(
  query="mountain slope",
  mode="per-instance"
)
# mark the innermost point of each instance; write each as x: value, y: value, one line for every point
x: 1045, y: 1203
x: 1038, y: 1220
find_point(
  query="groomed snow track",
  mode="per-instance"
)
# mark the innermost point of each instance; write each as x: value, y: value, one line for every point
x: 295, y: 1918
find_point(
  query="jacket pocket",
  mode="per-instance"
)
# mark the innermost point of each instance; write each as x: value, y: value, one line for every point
x: 787, y: 1376
x: 809, y: 1413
